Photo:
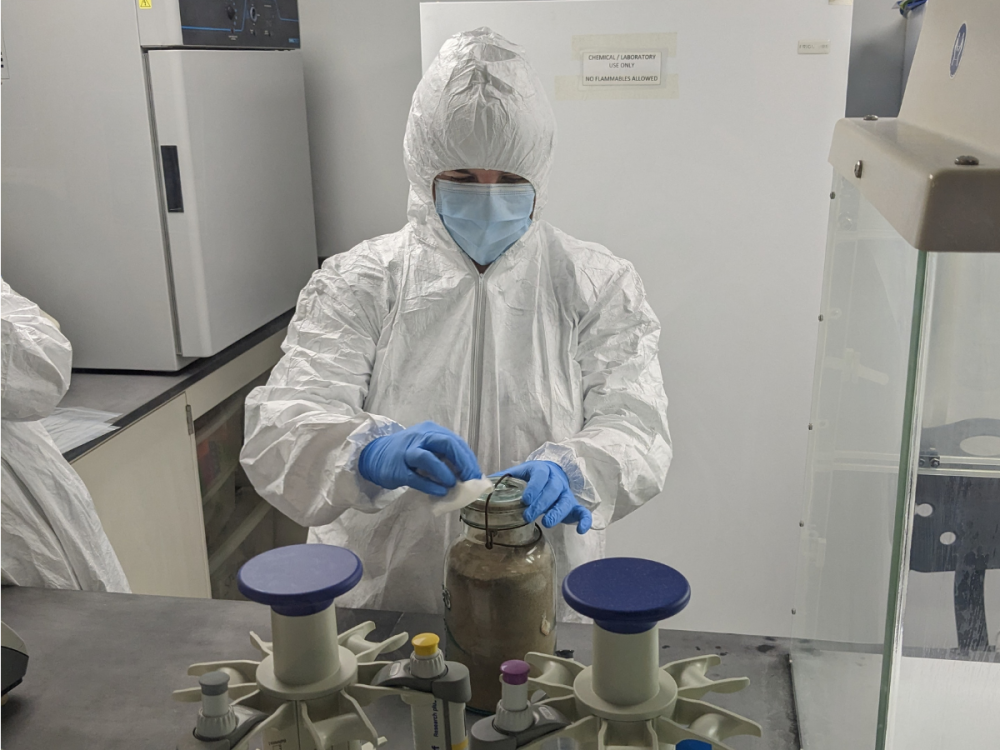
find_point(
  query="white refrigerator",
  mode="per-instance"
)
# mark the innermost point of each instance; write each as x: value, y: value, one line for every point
x: 157, y: 196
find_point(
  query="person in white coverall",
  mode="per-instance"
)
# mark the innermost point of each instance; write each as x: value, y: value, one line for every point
x: 476, y: 338
x: 51, y: 535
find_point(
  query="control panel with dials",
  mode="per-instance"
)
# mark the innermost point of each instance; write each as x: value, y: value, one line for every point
x: 266, y: 24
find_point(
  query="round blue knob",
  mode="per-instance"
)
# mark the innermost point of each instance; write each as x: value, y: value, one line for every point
x: 301, y: 579
x: 626, y: 594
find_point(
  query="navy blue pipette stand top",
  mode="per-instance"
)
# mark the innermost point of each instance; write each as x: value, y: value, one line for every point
x: 301, y: 579
x: 626, y: 594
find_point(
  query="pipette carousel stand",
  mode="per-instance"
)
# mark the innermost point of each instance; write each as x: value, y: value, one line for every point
x: 309, y: 690
x: 625, y: 699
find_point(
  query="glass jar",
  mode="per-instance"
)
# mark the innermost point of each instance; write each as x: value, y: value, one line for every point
x: 499, y: 590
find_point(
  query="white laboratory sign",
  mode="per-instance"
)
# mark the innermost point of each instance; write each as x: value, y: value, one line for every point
x: 606, y: 68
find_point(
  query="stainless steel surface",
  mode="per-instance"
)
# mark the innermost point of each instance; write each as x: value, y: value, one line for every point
x: 120, y: 393
x: 85, y: 647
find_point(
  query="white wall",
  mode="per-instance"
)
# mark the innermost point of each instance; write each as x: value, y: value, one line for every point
x: 362, y: 63
x: 878, y: 39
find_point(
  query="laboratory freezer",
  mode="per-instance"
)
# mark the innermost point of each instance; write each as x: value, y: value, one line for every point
x: 157, y: 196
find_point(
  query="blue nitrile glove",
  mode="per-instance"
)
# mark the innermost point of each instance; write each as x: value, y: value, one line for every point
x: 548, y: 492
x: 416, y: 458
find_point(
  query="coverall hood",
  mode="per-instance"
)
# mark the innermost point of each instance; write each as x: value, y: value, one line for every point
x: 480, y: 105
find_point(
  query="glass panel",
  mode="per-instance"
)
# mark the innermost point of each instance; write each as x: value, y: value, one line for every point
x: 945, y: 688
x: 852, y: 476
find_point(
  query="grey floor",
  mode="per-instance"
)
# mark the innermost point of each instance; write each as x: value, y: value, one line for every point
x: 102, y: 667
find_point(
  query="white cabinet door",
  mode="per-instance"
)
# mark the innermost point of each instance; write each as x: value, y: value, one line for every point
x: 234, y: 155
x: 145, y: 486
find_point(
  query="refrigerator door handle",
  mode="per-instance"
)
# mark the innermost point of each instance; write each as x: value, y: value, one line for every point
x: 172, y: 179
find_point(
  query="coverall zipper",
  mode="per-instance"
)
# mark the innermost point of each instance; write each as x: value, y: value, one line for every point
x: 478, y: 347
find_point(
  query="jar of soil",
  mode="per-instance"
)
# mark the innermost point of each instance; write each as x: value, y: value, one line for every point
x: 499, y: 590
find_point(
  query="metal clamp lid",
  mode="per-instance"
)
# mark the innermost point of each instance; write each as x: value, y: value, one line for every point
x: 499, y: 509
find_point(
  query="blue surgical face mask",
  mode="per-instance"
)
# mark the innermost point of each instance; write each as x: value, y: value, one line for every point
x: 483, y: 219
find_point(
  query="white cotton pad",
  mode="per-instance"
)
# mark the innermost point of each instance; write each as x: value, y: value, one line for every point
x: 462, y: 494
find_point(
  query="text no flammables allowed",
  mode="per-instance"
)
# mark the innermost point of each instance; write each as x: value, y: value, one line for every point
x: 621, y: 68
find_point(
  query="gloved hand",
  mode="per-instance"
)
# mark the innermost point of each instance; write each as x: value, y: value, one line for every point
x: 548, y: 492
x: 416, y: 458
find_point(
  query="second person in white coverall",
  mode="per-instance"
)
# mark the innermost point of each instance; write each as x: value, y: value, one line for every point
x: 51, y: 535
x: 478, y: 333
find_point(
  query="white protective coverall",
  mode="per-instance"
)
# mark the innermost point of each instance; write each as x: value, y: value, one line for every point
x: 51, y: 535
x: 550, y: 354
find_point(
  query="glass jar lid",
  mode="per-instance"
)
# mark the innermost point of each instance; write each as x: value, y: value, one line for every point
x: 500, y: 508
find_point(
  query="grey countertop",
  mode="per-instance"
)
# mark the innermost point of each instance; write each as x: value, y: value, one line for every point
x: 102, y: 667
x: 135, y: 394
x: 119, y: 392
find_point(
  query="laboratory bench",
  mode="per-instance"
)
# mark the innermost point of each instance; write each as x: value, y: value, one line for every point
x: 166, y: 482
x: 102, y: 667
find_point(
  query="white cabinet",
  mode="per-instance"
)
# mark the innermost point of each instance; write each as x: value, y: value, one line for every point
x: 171, y: 498
x: 144, y: 481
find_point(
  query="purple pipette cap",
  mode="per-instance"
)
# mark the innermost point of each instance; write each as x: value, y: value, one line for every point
x: 515, y: 672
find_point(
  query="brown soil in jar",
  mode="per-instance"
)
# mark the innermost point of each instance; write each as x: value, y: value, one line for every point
x: 502, y: 605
